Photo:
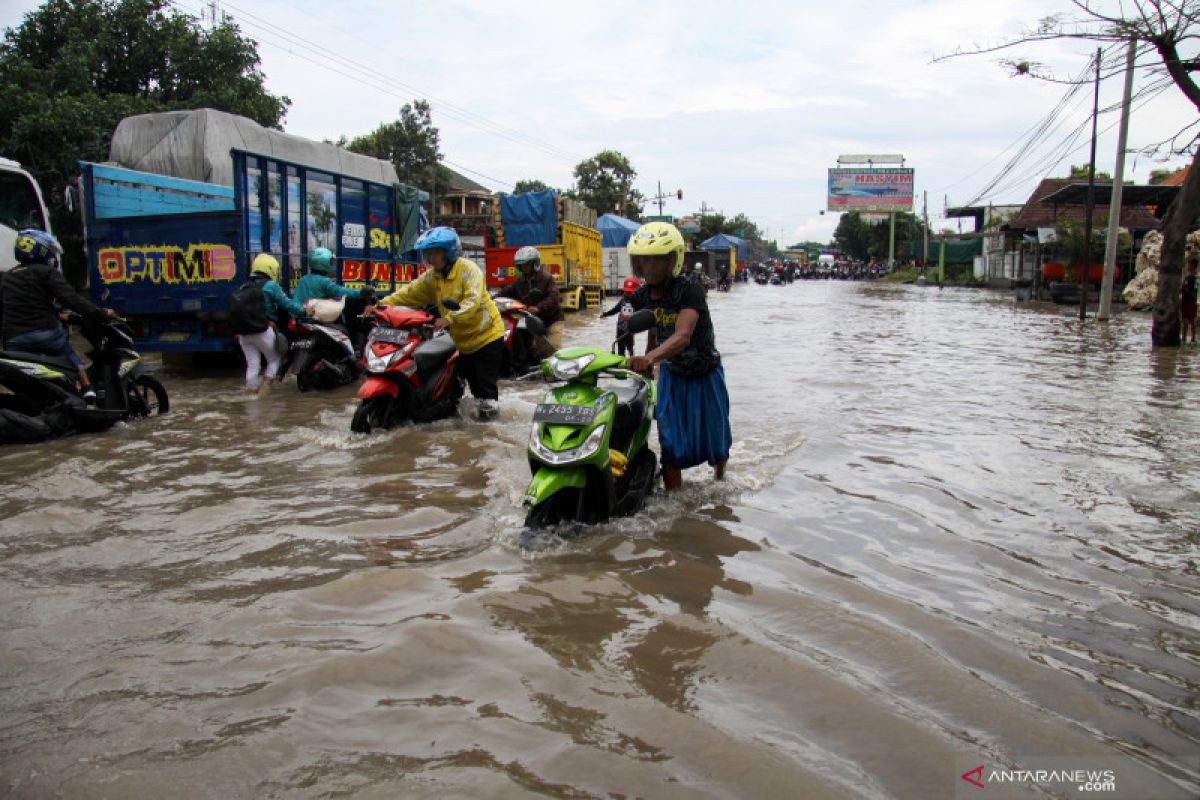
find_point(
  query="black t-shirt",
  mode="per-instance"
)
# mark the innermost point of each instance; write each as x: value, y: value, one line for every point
x: 701, y: 356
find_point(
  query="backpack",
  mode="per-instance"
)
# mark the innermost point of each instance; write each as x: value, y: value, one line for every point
x: 248, y: 308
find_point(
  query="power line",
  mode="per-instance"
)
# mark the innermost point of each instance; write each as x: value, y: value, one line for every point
x: 282, y: 39
x: 463, y: 114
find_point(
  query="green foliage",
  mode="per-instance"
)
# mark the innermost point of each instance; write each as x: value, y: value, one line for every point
x: 604, y: 183
x: 1071, y: 244
x: 864, y: 241
x: 532, y: 185
x: 410, y: 143
x: 74, y: 68
x: 1080, y: 172
x: 1157, y: 176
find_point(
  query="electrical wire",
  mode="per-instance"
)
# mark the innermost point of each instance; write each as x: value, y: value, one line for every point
x: 280, y: 38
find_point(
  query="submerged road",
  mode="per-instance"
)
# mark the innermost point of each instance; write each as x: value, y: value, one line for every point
x: 956, y: 532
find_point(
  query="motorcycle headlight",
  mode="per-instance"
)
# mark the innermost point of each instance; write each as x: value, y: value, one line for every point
x: 377, y: 363
x: 567, y: 368
x: 584, y: 451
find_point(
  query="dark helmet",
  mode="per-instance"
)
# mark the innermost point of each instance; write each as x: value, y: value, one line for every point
x: 37, y: 247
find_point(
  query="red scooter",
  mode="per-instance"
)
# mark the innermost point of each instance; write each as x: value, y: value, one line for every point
x: 525, y: 342
x: 412, y: 373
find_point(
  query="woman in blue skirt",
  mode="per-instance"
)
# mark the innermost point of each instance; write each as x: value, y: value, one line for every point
x: 693, y: 403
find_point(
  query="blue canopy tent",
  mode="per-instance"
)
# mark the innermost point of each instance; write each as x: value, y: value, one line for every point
x: 724, y: 241
x: 615, y: 230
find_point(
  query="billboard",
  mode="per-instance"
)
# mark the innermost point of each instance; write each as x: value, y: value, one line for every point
x: 871, y: 189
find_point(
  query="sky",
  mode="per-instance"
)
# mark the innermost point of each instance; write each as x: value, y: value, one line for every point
x: 744, y: 106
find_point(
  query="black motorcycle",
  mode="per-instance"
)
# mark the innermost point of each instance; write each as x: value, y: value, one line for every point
x: 44, y: 399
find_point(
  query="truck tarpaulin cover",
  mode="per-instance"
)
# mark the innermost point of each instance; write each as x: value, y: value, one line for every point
x: 724, y: 241
x: 195, y: 145
x: 615, y: 230
x: 529, y: 218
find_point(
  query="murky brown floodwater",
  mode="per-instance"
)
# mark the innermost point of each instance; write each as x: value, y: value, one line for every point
x: 956, y: 532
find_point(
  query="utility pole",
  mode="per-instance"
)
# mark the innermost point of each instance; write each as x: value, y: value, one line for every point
x: 660, y: 197
x: 925, y: 233
x: 1114, y: 205
x: 1091, y: 198
x: 891, y: 239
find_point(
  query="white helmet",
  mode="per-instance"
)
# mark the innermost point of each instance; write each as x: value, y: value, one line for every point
x: 528, y: 255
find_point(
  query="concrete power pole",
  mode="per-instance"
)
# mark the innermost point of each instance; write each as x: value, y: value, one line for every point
x: 1114, y: 207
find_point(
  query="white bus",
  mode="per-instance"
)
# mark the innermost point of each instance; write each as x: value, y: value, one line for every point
x: 21, y: 207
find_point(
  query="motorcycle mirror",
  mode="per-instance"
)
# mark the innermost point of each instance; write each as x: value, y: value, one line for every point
x: 450, y: 304
x: 640, y: 321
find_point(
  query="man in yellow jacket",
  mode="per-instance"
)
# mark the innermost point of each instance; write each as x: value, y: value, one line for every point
x: 475, y: 325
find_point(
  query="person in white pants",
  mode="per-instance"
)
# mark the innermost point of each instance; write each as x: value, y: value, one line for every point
x: 269, y: 344
x: 259, y: 346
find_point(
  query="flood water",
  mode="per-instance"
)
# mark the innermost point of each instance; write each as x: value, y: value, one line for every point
x: 956, y: 531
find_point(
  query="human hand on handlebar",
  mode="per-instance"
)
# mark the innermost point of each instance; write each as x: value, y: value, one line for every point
x: 440, y: 324
x: 641, y: 364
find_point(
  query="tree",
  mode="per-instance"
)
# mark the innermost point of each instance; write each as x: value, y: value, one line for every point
x: 1157, y: 176
x: 1080, y: 171
x: 863, y: 241
x: 532, y: 185
x: 411, y: 144
x: 604, y: 183
x: 74, y: 68
x: 1159, y: 29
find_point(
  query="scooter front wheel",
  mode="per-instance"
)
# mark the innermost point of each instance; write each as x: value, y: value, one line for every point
x: 375, y: 412
x: 147, y: 397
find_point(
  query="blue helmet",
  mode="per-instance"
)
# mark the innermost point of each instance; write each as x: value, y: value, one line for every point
x: 36, y: 247
x: 442, y: 238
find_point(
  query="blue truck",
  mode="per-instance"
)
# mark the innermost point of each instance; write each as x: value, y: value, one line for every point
x: 166, y: 252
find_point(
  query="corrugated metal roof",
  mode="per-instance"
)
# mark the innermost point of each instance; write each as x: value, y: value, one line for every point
x: 1041, y: 212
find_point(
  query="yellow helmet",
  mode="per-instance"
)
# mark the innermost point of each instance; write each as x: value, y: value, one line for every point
x: 657, y: 239
x: 267, y: 265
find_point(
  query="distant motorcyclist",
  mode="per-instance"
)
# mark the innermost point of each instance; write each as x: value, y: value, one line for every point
x: 538, y: 291
x: 624, y: 310
x: 700, y: 277
x: 475, y: 326
x: 31, y: 322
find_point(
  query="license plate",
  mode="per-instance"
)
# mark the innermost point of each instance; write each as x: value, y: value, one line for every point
x: 302, y: 344
x: 390, y: 335
x: 562, y: 414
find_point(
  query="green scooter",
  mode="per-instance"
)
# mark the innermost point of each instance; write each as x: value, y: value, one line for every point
x: 589, y: 450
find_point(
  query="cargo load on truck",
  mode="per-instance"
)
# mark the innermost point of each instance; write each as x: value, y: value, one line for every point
x: 166, y: 250
x: 563, y: 230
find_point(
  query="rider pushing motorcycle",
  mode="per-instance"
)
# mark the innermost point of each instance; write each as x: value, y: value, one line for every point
x: 31, y: 323
x: 475, y: 326
x: 538, y: 291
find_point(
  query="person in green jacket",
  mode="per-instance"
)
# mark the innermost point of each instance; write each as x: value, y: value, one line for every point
x: 318, y: 284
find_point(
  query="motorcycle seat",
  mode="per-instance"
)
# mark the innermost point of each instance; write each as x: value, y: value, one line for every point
x: 632, y: 396
x: 38, y: 358
x: 433, y: 354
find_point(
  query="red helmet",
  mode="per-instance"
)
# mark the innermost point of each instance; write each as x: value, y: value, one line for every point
x: 631, y: 285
